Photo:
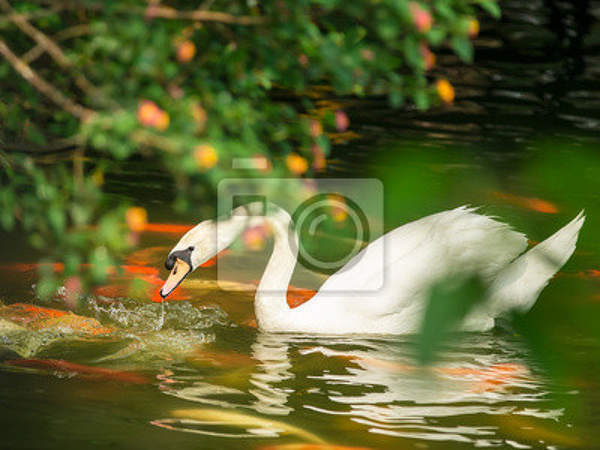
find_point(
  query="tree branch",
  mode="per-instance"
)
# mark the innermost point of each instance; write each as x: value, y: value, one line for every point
x: 49, y: 45
x: 67, y: 33
x: 58, y: 146
x: 43, y: 86
x: 150, y: 139
x: 164, y: 12
x: 32, y: 15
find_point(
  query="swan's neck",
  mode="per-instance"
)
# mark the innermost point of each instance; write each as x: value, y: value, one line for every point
x: 271, y: 294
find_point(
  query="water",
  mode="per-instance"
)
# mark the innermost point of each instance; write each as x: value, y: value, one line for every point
x: 194, y: 375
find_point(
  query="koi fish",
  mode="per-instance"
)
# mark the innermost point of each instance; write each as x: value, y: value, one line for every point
x: 533, y: 204
x: 246, y: 421
x: 167, y: 228
x: 62, y: 366
x: 310, y: 447
x: 25, y: 314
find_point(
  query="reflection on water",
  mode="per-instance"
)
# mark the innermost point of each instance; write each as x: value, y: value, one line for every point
x: 268, y: 379
x: 374, y: 384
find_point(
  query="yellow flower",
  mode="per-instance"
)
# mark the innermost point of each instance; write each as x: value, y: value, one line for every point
x: 136, y: 218
x: 296, y: 163
x: 162, y: 121
x: 473, y: 28
x: 338, y: 208
x: 150, y: 115
x: 445, y: 90
x: 147, y: 112
x: 254, y: 238
x: 98, y: 177
x: 206, y: 156
x: 186, y: 51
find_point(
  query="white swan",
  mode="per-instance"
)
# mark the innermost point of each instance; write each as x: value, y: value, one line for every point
x: 408, y: 261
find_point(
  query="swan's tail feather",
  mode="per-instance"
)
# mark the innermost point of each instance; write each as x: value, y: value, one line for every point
x: 519, y: 284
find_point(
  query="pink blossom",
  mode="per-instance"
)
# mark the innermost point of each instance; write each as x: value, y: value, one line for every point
x: 421, y: 17
x: 341, y: 121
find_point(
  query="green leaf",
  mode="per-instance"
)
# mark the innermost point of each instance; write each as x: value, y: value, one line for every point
x: 491, y: 6
x: 449, y: 302
x: 100, y: 262
x: 412, y: 51
x: 463, y: 48
x: 421, y: 99
x: 46, y: 287
x: 7, y: 219
x: 396, y: 97
x: 445, y: 9
x: 436, y: 36
x: 56, y: 217
x: 36, y: 241
x: 33, y: 133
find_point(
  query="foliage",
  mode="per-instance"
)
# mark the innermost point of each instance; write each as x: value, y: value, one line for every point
x: 449, y: 301
x: 194, y: 90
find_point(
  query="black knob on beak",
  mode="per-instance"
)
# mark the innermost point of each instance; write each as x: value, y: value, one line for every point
x: 184, y: 255
x: 170, y: 262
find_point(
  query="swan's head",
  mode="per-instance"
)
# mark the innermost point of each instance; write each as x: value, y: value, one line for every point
x: 200, y: 244
x: 195, y: 247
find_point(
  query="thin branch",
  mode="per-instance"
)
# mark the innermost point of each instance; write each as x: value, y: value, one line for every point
x: 50, y: 46
x: 73, y: 32
x: 43, y: 86
x: 31, y: 15
x: 67, y: 33
x: 150, y: 139
x: 78, y: 163
x: 33, y: 54
x: 39, y: 37
x: 58, y: 146
x: 164, y: 12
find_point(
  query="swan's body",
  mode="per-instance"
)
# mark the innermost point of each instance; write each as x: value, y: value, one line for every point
x: 384, y: 288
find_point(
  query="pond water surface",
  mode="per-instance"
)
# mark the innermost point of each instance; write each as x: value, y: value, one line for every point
x: 200, y: 377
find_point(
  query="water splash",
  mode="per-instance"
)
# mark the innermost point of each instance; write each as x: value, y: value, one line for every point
x: 161, y: 317
x: 131, y: 315
x: 126, y: 331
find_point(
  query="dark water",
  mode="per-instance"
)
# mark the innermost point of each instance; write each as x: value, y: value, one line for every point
x: 199, y: 379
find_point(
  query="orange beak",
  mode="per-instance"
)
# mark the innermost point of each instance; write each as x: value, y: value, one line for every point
x: 179, y: 272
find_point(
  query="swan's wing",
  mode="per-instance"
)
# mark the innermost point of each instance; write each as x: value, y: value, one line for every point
x: 417, y: 254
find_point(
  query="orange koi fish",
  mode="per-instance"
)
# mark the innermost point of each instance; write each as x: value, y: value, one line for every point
x: 91, y: 372
x: 167, y: 228
x: 533, y: 204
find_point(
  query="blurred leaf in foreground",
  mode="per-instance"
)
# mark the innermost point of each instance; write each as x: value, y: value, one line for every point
x: 449, y: 302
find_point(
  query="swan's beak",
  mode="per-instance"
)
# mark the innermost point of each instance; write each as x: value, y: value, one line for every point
x: 179, y: 272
